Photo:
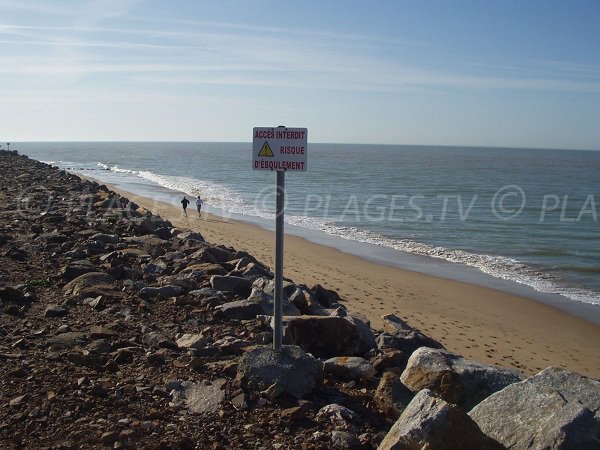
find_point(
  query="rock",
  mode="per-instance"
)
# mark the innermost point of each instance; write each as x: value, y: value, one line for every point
x: 324, y: 296
x: 66, y: 340
x: 92, y: 361
x: 106, y: 238
x: 76, y: 269
x: 186, y: 281
x: 98, y: 303
x: 52, y: 238
x: 306, y: 302
x: 109, y: 437
x: 149, y: 243
x: 148, y: 292
x: 200, y: 397
x: 88, y: 284
x: 123, y: 356
x: 55, y: 311
x: 11, y: 295
x: 158, y: 339
x: 554, y: 409
x: 390, y: 359
x: 99, y: 346
x: 190, y: 236
x: 244, y: 309
x: 391, y: 396
x: 429, y: 422
x: 293, y: 370
x: 454, y: 378
x: 297, y: 412
x: 349, y: 368
x: 240, y: 401
x: 191, y: 341
x: 163, y: 233
x: 267, y: 285
x: 326, y: 337
x: 401, y: 336
x: 344, y: 440
x: 236, y: 285
x: 339, y: 416
x: 170, y: 291
x: 100, y: 332
x: 207, y: 268
x: 220, y: 253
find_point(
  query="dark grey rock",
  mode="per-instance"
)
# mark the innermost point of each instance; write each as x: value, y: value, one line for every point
x: 76, y: 268
x: 326, y: 337
x: 55, y: 311
x: 236, y: 285
x: 294, y: 371
x: 401, y: 336
x: 244, y: 309
x: 67, y: 340
x: 345, y: 441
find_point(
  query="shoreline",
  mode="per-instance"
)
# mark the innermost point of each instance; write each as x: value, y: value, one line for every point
x: 480, y: 323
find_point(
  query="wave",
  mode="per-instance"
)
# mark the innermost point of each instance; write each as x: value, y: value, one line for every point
x: 231, y: 202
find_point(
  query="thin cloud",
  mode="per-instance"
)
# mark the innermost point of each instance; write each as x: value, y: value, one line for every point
x: 240, y: 59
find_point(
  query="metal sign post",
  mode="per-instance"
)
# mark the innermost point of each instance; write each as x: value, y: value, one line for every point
x: 279, y: 224
x: 281, y: 149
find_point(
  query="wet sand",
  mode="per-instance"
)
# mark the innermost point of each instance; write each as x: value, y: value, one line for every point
x: 483, y: 324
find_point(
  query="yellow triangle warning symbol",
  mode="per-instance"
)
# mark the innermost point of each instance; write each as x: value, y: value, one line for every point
x: 266, y: 150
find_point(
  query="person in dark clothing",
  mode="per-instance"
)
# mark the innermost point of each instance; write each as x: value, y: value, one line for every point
x: 185, y: 202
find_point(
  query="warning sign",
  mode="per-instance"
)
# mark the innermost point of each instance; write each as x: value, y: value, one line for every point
x: 266, y: 150
x: 280, y: 148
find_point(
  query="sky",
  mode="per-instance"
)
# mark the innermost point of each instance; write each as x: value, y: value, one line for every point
x: 510, y: 73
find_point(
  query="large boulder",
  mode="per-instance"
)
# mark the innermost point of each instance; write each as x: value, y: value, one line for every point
x: 349, y: 368
x: 325, y: 297
x: 244, y: 309
x: 555, y: 409
x: 429, y: 422
x: 391, y: 396
x: 326, y: 337
x: 90, y: 284
x: 152, y: 244
x: 398, y: 335
x: 76, y: 268
x: 236, y: 285
x: 454, y: 378
x: 258, y: 303
x: 267, y: 285
x: 307, y: 303
x: 292, y: 370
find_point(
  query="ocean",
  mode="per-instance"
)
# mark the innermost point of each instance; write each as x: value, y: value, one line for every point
x: 521, y: 220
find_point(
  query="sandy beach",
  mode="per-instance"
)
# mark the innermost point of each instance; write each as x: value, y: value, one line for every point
x: 486, y: 325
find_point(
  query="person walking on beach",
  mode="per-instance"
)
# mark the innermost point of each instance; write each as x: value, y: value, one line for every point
x: 199, y: 202
x: 184, y: 203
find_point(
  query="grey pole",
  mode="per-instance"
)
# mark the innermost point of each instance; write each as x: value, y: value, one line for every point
x: 277, y: 307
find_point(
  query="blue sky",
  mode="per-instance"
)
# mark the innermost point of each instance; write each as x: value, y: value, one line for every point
x: 494, y: 73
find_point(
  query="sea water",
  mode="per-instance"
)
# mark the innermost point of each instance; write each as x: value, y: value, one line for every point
x: 529, y: 216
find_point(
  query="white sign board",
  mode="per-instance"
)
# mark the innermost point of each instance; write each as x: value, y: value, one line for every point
x: 280, y: 148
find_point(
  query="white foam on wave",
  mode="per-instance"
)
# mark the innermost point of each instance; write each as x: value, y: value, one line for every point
x: 229, y: 201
